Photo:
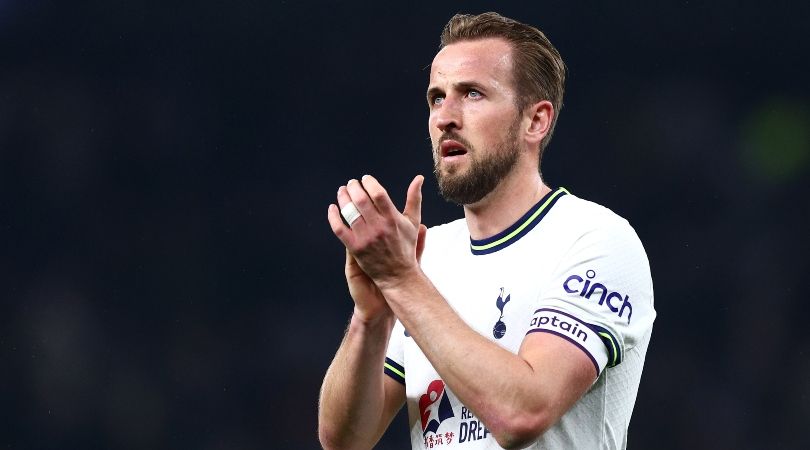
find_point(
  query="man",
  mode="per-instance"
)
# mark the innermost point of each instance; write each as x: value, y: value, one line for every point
x: 526, y: 323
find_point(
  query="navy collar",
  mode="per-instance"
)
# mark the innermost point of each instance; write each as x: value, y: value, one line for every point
x: 523, y: 225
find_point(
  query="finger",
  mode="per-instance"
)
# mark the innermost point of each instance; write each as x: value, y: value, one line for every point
x: 379, y: 196
x: 420, y: 242
x: 352, y: 266
x: 338, y: 227
x: 361, y: 200
x: 344, y: 199
x: 413, y: 202
x: 349, y: 258
x: 350, y: 263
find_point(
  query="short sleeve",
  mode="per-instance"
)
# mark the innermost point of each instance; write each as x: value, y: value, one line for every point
x: 394, y: 365
x: 600, y: 298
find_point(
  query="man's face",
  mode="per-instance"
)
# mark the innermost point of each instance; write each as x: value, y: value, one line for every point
x: 473, y: 123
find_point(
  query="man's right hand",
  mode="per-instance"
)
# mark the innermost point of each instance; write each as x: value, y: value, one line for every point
x: 369, y: 303
x: 368, y: 300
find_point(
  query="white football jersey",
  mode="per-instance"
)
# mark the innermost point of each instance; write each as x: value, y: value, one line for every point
x: 568, y: 267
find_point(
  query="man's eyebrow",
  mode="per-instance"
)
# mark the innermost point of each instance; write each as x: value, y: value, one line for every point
x: 467, y: 85
x: 461, y: 86
x: 433, y: 91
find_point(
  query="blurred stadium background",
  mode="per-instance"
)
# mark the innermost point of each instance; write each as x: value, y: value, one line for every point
x: 167, y: 275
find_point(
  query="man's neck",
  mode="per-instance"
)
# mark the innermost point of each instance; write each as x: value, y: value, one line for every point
x: 502, y: 207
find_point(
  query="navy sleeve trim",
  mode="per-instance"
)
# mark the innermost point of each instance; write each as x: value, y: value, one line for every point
x: 394, y: 370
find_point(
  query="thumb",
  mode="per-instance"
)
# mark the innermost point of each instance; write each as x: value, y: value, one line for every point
x: 413, y: 202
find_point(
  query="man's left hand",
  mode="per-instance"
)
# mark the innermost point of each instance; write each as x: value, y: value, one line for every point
x: 386, y: 243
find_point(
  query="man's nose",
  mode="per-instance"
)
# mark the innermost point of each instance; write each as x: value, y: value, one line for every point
x: 448, y: 116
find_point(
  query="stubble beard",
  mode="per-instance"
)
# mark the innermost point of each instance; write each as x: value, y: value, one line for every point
x: 485, y: 171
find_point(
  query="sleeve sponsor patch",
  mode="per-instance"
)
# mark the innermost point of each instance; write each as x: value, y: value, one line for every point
x: 574, y: 330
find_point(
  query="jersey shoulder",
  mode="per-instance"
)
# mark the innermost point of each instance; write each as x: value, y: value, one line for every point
x: 586, y: 213
x: 576, y: 217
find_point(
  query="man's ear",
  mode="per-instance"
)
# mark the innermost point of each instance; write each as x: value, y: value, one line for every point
x: 540, y: 116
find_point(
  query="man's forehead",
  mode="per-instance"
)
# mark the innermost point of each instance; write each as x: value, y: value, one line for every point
x: 482, y: 57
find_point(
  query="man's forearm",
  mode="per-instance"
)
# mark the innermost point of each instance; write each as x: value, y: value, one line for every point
x: 353, y: 394
x: 500, y: 387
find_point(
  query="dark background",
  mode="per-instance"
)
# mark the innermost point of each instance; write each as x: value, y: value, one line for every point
x: 167, y: 275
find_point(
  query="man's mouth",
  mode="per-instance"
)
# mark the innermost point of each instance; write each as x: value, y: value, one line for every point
x: 449, y: 148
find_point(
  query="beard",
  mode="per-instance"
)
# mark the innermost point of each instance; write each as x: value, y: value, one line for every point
x: 485, y: 171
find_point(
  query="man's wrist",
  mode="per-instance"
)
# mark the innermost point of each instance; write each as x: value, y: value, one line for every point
x: 405, y: 280
x: 372, y: 321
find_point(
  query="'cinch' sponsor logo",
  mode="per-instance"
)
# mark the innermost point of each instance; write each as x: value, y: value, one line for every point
x: 614, y: 300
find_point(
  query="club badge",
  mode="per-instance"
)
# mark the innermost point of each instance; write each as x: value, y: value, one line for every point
x: 499, y: 330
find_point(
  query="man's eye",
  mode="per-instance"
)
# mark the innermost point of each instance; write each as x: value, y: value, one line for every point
x: 437, y: 100
x: 474, y: 94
